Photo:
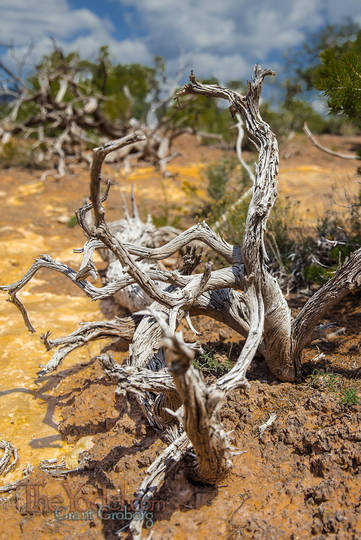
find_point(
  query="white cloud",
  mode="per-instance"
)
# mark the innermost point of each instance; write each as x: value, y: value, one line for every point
x: 223, y: 38
x: 320, y: 106
x: 337, y: 9
x: 232, y: 34
x: 25, y: 20
x: 212, y: 24
x: 225, y: 67
x: 37, y: 21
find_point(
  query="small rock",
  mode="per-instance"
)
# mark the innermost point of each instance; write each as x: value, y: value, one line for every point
x: 317, y: 526
x: 63, y: 219
x: 339, y: 516
x: 223, y: 334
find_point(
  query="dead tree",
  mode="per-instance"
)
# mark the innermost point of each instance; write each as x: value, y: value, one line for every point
x: 244, y: 296
x: 60, y: 113
x: 315, y: 142
x: 56, y: 112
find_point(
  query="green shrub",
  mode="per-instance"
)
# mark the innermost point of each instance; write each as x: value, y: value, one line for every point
x: 296, y: 258
x: 218, y: 175
x: 323, y: 379
x: 16, y: 154
x: 315, y: 273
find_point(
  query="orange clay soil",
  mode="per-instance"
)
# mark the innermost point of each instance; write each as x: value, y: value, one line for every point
x: 301, y: 479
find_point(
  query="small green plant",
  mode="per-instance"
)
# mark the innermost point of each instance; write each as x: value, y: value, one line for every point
x: 210, y: 365
x: 163, y: 219
x: 226, y: 184
x: 324, y: 379
x: 315, y: 273
x: 72, y: 222
x: 349, y: 397
x: 280, y: 234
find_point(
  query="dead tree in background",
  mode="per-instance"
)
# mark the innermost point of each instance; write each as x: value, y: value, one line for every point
x: 60, y: 115
x: 244, y: 296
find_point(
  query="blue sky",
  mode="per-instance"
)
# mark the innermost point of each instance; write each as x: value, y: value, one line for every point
x: 222, y: 38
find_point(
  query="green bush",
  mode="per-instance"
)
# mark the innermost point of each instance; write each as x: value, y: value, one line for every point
x: 323, y: 379
x: 16, y: 154
x: 226, y: 183
x: 291, y: 117
x: 315, y: 273
x: 72, y: 222
x: 218, y: 175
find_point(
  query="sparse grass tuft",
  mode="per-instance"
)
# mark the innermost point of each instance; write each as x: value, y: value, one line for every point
x: 210, y: 365
x: 349, y: 397
x: 324, y: 379
x: 18, y: 154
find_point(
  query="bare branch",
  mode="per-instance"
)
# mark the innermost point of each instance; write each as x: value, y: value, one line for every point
x: 200, y: 407
x: 9, y: 458
x: 346, y: 279
x: 155, y: 476
x: 323, y: 148
x: 122, y: 329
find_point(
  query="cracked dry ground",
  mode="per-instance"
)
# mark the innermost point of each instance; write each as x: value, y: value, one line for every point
x: 301, y: 479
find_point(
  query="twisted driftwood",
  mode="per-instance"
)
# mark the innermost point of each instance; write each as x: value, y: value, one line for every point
x: 244, y: 295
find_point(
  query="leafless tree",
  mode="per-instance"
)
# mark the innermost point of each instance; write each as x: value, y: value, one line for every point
x: 61, y: 124
x: 244, y: 296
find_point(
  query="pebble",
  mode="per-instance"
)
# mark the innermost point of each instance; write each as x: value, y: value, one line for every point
x: 63, y: 219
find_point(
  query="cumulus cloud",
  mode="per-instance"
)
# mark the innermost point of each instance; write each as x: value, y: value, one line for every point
x: 223, y: 38
x: 231, y: 35
x: 35, y: 22
x: 25, y: 20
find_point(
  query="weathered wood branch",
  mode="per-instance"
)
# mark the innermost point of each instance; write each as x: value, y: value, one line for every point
x: 130, y: 378
x: 347, y: 278
x: 154, y: 478
x: 121, y: 329
x: 200, y: 233
x: 315, y: 142
x: 200, y: 409
x: 67, y: 113
x: 263, y: 293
